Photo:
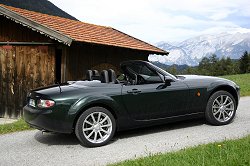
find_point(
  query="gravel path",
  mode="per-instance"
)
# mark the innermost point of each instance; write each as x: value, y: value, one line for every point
x: 33, y: 148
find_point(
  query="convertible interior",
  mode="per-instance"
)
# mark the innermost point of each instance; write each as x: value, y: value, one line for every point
x: 134, y: 73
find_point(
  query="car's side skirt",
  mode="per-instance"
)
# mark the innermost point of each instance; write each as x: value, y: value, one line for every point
x: 152, y: 122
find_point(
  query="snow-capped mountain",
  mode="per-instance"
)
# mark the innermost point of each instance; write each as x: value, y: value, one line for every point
x: 192, y: 50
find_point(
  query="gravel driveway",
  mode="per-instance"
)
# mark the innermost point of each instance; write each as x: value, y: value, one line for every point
x: 33, y: 148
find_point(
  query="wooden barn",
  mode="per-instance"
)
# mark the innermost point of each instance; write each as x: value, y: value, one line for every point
x: 37, y: 49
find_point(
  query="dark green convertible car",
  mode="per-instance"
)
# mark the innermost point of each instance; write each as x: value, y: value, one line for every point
x: 144, y: 95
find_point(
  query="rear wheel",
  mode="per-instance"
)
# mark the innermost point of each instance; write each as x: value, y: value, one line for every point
x: 221, y: 108
x: 95, y: 127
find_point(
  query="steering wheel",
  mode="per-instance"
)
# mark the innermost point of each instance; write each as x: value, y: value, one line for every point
x: 140, y: 80
x: 132, y: 79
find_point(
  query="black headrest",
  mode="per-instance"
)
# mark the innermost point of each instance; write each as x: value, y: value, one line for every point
x: 95, y: 72
x: 112, y: 75
x: 95, y: 75
x: 89, y: 75
x: 104, y: 78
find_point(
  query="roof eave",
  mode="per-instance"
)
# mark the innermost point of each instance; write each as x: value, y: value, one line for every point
x: 163, y: 52
x: 160, y: 52
x: 35, y: 26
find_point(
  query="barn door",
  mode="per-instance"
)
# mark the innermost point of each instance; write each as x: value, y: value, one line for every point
x: 23, y: 68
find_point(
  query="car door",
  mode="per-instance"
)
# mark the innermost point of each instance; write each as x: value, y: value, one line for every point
x: 155, y: 101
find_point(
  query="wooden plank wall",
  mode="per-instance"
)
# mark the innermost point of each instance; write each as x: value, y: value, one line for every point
x: 14, y: 32
x: 23, y: 68
x: 82, y: 57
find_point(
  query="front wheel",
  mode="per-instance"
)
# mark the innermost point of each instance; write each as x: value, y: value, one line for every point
x: 95, y: 127
x: 221, y: 108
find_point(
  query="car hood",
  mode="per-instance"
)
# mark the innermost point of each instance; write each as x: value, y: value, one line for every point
x: 200, y: 80
x: 191, y: 77
x: 201, y: 77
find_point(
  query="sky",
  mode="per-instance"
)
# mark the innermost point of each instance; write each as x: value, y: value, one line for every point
x: 163, y: 20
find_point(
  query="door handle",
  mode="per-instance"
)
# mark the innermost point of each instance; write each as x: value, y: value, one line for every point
x: 134, y: 91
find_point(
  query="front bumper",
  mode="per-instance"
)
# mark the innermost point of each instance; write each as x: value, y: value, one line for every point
x: 46, y: 120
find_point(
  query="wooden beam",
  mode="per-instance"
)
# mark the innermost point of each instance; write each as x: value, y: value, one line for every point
x: 26, y: 43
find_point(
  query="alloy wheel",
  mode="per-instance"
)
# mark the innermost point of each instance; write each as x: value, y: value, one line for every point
x: 97, y: 127
x: 223, y: 108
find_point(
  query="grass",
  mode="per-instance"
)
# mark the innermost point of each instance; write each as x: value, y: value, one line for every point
x: 19, y: 125
x: 243, y: 80
x: 230, y: 152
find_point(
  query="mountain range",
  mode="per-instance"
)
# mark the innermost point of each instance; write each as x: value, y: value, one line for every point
x: 192, y: 50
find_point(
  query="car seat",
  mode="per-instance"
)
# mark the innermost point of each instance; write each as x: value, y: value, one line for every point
x: 104, y: 78
x: 89, y: 75
x: 111, y: 76
x: 96, y: 75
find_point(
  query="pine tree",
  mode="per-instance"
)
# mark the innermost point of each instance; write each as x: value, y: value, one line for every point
x: 204, y: 66
x: 248, y: 65
x: 213, y: 58
x: 229, y: 66
x: 214, y: 67
x: 244, y: 62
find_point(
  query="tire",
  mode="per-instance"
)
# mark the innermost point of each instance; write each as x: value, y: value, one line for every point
x: 95, y: 127
x: 221, y: 108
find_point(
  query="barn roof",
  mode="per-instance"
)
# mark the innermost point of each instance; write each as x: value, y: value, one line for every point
x: 66, y: 30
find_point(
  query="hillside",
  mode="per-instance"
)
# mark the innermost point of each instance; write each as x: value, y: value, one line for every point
x: 179, y: 68
x: 192, y: 50
x: 42, y: 6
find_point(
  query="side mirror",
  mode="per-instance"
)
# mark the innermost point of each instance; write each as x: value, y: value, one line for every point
x: 168, y: 80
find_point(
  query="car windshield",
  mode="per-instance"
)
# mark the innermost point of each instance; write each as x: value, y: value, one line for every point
x: 164, y: 72
x: 144, y: 72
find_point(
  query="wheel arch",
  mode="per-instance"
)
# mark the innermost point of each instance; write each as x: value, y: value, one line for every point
x: 98, y: 104
x: 228, y: 89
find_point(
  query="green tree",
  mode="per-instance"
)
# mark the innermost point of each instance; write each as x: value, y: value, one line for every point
x: 172, y: 70
x: 209, y: 65
x: 204, y: 66
x: 248, y: 68
x: 191, y: 70
x: 204, y: 62
x: 231, y: 68
x: 214, y: 66
x: 244, y: 63
x: 226, y: 66
x: 213, y: 59
x: 236, y: 69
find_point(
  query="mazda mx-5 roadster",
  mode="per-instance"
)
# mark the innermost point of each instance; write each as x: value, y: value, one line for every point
x: 143, y: 95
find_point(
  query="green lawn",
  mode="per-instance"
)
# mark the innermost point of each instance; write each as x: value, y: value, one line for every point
x: 231, y: 152
x: 243, y: 80
x: 19, y: 125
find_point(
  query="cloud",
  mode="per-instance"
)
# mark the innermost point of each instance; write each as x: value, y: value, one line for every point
x: 221, y: 14
x: 161, y: 20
